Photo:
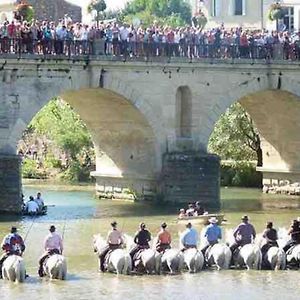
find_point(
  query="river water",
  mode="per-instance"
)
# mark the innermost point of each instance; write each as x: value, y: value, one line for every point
x: 78, y: 215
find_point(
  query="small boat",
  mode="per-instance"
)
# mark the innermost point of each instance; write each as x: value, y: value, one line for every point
x: 202, y: 219
x: 42, y: 212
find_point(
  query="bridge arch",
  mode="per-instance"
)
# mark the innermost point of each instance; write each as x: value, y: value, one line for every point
x: 275, y: 110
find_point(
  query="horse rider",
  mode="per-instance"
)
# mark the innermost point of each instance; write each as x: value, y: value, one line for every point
x: 294, y: 232
x: 53, y: 244
x: 114, y: 241
x: 243, y: 234
x: 163, y: 239
x: 189, y: 238
x: 39, y: 201
x: 12, y: 244
x: 31, y: 206
x: 212, y: 233
x: 270, y: 236
x: 141, y: 239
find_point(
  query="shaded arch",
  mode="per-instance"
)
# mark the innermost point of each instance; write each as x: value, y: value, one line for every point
x: 183, y: 112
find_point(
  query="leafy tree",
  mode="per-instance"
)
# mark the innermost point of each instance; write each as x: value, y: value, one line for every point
x: 235, y: 137
x: 62, y: 125
x: 99, y: 6
x: 164, y: 11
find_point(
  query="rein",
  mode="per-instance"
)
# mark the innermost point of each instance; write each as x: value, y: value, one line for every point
x: 28, y: 230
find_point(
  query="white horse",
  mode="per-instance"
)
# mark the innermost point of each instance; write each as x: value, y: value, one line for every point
x: 147, y: 258
x: 171, y: 259
x: 293, y: 255
x: 219, y: 255
x: 192, y: 257
x: 13, y: 269
x: 249, y: 255
x: 56, y: 267
x: 275, y: 256
x: 119, y: 261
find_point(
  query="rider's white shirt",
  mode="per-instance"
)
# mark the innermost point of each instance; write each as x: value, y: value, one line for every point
x: 32, y: 206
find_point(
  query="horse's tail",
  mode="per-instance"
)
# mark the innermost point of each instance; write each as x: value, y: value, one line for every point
x: 281, y: 260
x: 258, y: 259
x: 127, y: 264
x: 20, y: 270
x: 61, y: 268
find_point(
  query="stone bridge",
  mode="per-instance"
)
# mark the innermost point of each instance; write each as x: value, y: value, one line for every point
x: 151, y: 121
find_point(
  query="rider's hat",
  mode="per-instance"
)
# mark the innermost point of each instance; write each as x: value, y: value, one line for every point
x: 213, y: 220
x: 164, y: 225
x: 113, y: 224
x: 245, y: 218
x: 142, y: 225
x: 13, y: 229
x: 52, y: 228
x: 189, y: 225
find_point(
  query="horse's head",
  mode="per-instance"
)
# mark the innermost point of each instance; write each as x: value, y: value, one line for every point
x: 229, y: 238
x: 98, y: 242
x: 128, y: 241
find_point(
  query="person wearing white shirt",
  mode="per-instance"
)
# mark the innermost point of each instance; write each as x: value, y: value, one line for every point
x: 31, y: 206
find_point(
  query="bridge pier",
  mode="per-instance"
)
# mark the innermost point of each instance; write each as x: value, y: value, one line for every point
x: 191, y: 176
x: 10, y: 184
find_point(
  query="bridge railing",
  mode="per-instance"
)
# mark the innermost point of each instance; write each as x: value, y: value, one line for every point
x: 145, y: 51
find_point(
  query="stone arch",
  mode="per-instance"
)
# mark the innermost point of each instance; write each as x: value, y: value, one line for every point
x: 275, y: 110
x: 183, y: 112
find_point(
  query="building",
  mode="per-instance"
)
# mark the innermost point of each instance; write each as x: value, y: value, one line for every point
x: 251, y: 14
x: 44, y: 9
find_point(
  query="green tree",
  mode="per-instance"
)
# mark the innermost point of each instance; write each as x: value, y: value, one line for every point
x: 99, y: 6
x: 164, y: 11
x: 235, y: 136
x: 62, y: 125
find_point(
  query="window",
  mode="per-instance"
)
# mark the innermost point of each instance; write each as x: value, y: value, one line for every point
x: 216, y: 8
x: 183, y: 112
x: 288, y: 19
x: 239, y: 7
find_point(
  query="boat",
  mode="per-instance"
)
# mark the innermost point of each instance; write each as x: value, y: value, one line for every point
x: 202, y: 219
x: 42, y: 212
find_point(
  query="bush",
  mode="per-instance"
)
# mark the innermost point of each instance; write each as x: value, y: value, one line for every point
x: 30, y: 170
x: 76, y: 173
x: 52, y: 162
x: 240, y: 174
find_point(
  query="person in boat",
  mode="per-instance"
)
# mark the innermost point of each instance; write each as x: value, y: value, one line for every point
x: 243, y: 234
x: 199, y: 209
x: 182, y: 214
x: 190, y: 212
x: 114, y: 241
x: 163, y: 239
x: 190, y: 237
x: 12, y: 244
x: 141, y: 239
x: 294, y: 232
x: 53, y: 244
x: 39, y: 201
x: 31, y: 206
x: 212, y: 233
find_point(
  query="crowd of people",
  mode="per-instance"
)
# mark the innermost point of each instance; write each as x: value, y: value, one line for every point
x: 193, y: 210
x: 243, y: 234
x: 72, y: 39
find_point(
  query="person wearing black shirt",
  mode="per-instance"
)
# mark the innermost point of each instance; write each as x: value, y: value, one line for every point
x: 142, y: 239
x: 294, y: 232
x: 270, y: 236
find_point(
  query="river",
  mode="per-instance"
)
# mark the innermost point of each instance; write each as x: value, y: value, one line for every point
x: 78, y: 215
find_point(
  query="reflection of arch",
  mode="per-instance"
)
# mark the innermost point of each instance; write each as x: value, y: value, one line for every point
x: 183, y: 112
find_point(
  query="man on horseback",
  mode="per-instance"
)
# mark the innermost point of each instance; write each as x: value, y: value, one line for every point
x: 141, y: 239
x: 271, y: 237
x: 294, y: 232
x: 213, y: 233
x: 114, y: 241
x: 243, y: 234
x: 163, y: 239
x: 12, y: 244
x: 189, y: 238
x: 53, y: 244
